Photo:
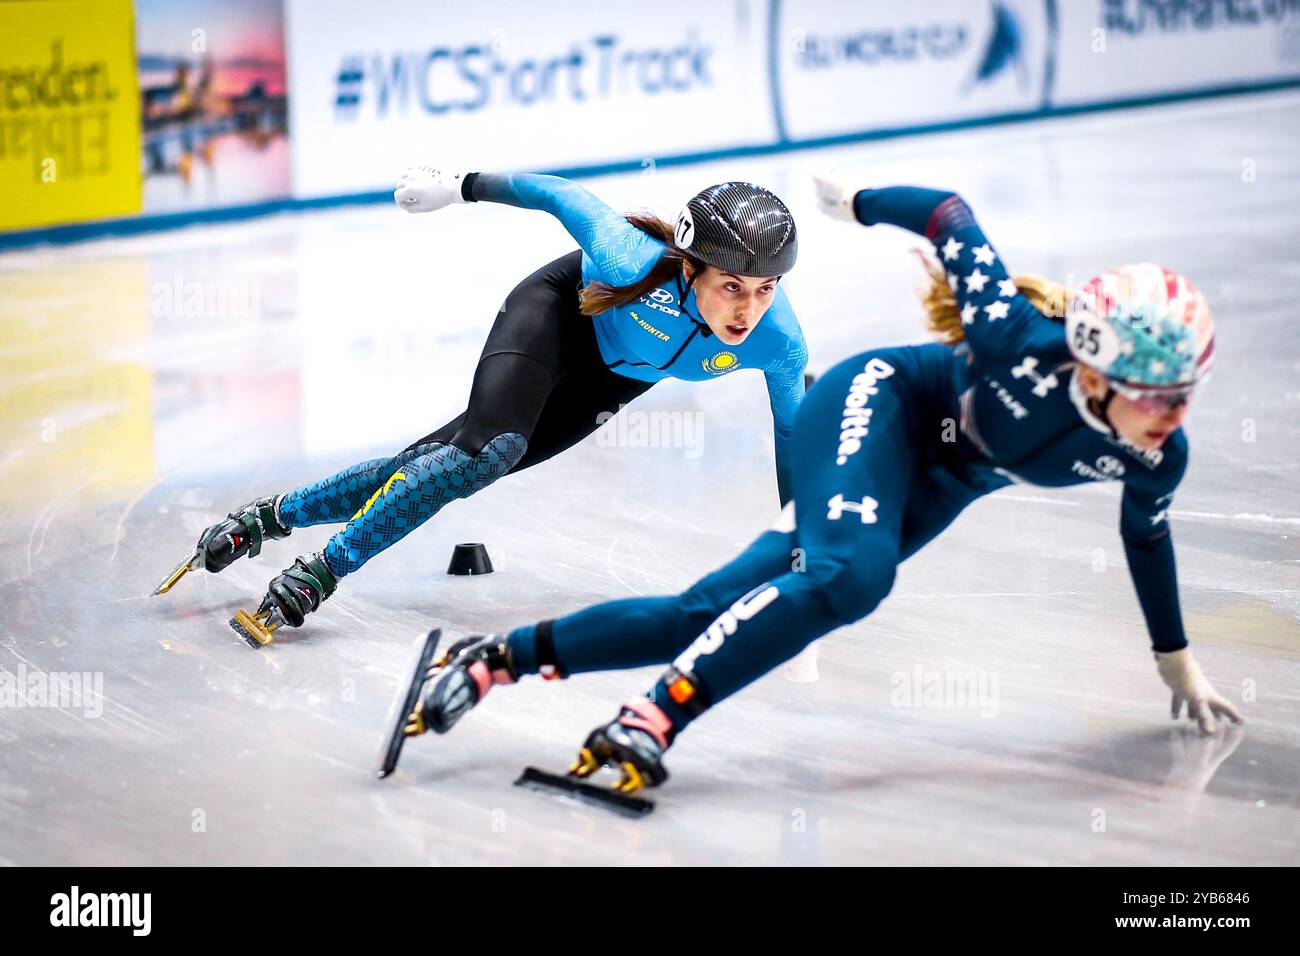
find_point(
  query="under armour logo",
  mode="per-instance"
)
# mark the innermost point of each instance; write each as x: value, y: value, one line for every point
x: 1042, y: 383
x: 867, y: 510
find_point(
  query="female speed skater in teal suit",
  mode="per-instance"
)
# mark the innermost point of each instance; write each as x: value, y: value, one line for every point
x: 1044, y: 393
x: 638, y: 302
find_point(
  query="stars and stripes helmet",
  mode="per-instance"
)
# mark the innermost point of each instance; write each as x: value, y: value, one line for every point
x: 739, y: 228
x: 1145, y: 328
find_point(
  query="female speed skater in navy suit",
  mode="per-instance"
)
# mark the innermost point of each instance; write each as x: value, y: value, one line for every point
x: 1048, y: 387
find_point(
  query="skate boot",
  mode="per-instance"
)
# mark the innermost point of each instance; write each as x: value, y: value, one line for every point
x: 632, y: 743
x: 458, y: 680
x: 241, y: 533
x: 292, y: 594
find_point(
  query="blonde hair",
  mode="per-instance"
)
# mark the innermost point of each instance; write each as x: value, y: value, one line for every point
x: 943, y: 318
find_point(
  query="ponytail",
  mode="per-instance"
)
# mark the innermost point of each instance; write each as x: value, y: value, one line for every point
x: 597, y: 297
x: 943, y: 318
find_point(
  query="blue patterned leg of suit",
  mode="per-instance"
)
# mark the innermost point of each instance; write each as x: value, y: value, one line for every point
x: 339, y: 497
x: 415, y: 492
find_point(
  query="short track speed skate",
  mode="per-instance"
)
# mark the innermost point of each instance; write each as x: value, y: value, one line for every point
x: 241, y: 533
x: 441, y: 691
x: 294, y: 593
x: 399, y: 714
x: 571, y: 786
x: 191, y: 563
x: 633, y: 743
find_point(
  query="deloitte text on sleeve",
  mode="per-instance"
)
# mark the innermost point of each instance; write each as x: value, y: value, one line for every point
x: 524, y: 86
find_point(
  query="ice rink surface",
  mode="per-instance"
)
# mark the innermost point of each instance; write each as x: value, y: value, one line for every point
x: 150, y: 384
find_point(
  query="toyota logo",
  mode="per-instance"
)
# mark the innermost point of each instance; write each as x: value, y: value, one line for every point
x: 1110, y: 466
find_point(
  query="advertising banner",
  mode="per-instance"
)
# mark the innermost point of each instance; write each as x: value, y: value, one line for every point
x: 198, y: 105
x: 1125, y: 49
x: 69, y: 112
x: 518, y: 85
x: 212, y: 89
x: 848, y: 68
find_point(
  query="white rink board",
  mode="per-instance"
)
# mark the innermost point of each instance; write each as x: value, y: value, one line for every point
x: 850, y: 68
x: 1124, y: 50
x: 575, y: 84
x: 516, y: 85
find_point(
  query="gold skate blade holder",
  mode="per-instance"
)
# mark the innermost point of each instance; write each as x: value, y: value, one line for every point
x: 414, y: 724
x: 585, y: 765
x: 256, y: 629
x: 189, y: 564
x: 631, y: 781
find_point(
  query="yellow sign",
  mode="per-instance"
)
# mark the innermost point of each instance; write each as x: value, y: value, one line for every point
x: 69, y: 112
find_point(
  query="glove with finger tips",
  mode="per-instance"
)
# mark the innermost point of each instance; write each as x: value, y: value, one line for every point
x: 299, y: 590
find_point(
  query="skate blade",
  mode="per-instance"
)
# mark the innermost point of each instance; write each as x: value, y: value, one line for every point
x: 169, y: 582
x: 566, y: 786
x: 253, y: 628
x: 407, y: 698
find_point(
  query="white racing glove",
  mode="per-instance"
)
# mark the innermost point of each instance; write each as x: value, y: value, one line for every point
x: 426, y: 188
x: 1183, y: 676
x: 802, y: 668
x: 834, y: 199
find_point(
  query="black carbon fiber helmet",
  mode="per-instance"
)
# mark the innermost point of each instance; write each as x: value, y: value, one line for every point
x: 739, y: 228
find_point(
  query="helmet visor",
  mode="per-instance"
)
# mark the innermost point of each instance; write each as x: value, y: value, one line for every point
x: 1156, y: 400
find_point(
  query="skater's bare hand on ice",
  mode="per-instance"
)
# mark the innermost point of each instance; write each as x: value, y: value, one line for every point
x: 1183, y: 676
x: 426, y: 188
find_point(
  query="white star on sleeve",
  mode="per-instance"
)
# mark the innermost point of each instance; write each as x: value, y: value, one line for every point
x: 997, y: 310
x: 952, y: 281
x: 984, y: 254
x: 952, y: 247
x: 975, y: 281
x: 968, y: 313
x: 1007, y: 288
